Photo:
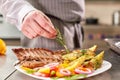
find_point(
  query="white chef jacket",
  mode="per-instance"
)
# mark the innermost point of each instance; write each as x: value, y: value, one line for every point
x: 65, y: 14
x: 15, y: 10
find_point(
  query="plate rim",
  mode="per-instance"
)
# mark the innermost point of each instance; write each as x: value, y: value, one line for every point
x: 98, y: 71
x: 109, y: 65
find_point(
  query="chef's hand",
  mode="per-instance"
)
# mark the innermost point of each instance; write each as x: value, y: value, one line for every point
x: 37, y: 24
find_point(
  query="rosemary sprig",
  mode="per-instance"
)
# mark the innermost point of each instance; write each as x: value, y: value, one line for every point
x: 60, y: 39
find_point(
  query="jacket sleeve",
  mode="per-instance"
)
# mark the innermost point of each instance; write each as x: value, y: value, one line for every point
x: 15, y: 10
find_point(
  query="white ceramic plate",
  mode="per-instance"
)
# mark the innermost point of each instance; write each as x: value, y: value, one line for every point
x: 105, y: 66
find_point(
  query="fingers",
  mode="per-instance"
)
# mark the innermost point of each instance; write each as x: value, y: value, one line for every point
x: 36, y: 24
x: 40, y: 31
x: 45, y: 23
x: 33, y: 30
x: 46, y: 17
x: 26, y: 33
x: 48, y: 20
x: 29, y: 32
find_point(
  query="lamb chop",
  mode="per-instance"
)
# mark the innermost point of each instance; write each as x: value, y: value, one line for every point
x: 37, y: 57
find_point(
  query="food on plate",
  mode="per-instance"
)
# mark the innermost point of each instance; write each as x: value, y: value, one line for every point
x: 93, y: 48
x: 46, y: 63
x: 36, y: 57
x: 97, y: 60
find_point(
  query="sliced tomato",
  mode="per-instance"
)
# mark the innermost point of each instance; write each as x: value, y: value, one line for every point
x: 82, y: 70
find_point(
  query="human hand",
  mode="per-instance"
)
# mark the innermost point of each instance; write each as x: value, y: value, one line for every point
x: 37, y: 24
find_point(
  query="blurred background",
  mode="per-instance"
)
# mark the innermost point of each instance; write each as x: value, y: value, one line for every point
x: 102, y: 20
x: 9, y: 33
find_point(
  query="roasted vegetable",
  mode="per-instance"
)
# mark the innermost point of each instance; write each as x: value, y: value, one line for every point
x: 93, y: 48
x: 97, y: 60
x: 78, y: 53
x: 76, y: 63
x: 71, y: 56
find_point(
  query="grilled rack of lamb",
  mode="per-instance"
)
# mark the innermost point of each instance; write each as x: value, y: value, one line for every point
x: 37, y: 57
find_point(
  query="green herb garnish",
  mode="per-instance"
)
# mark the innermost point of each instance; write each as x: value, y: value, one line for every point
x: 83, y: 51
x: 78, y: 76
x: 30, y: 71
x: 55, y: 78
x: 60, y: 39
x: 73, y: 77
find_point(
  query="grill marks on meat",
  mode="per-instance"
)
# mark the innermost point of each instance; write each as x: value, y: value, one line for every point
x: 37, y: 57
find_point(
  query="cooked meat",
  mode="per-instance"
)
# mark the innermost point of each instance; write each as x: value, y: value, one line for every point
x: 32, y: 64
x: 36, y: 57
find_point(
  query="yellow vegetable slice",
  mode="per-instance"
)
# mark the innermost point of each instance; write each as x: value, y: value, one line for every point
x: 44, y: 70
x: 76, y: 63
x: 93, y: 48
x: 97, y: 60
x: 28, y: 70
